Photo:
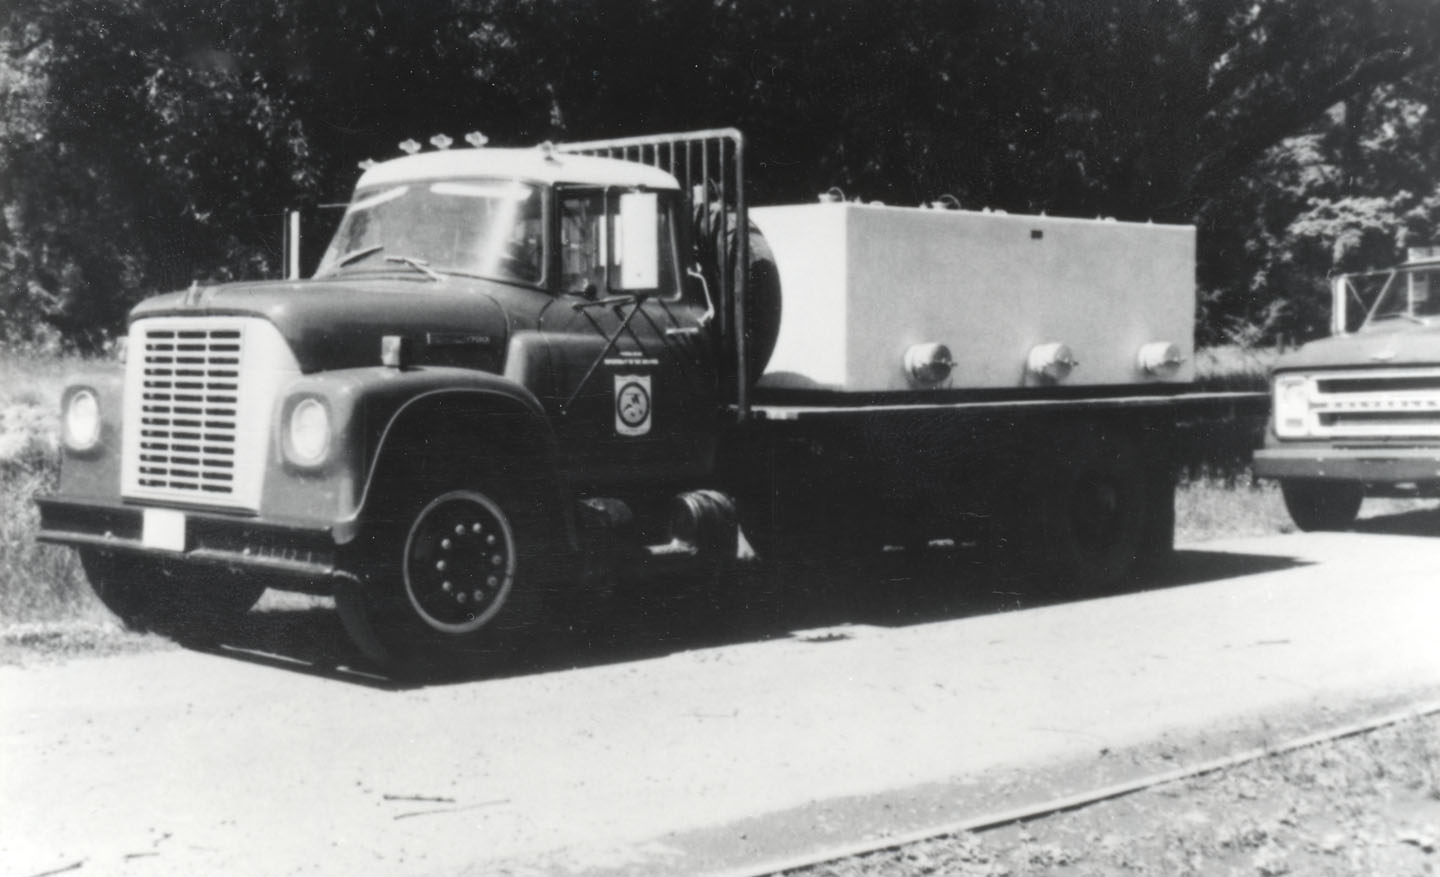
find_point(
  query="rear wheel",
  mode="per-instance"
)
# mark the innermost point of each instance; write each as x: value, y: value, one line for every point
x: 150, y: 595
x: 1322, y: 505
x: 1090, y: 512
x: 454, y: 582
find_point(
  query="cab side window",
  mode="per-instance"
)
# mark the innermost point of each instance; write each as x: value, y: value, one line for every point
x: 586, y: 218
x: 582, y: 242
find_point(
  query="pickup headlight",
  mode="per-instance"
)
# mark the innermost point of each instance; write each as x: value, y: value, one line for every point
x: 307, y: 433
x: 1292, y: 406
x: 81, y: 419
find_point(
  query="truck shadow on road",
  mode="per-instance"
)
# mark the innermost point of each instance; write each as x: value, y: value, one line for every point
x: 1420, y: 522
x: 817, y: 601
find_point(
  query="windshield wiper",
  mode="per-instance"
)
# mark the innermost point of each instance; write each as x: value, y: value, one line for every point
x: 418, y: 264
x: 357, y: 255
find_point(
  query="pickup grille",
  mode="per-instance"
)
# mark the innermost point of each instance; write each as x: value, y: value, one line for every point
x: 190, y: 404
x: 199, y: 394
x: 1384, y: 403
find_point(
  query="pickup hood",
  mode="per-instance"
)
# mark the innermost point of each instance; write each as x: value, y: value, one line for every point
x: 336, y: 323
x: 1405, y: 345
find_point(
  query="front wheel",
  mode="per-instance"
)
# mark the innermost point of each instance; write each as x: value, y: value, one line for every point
x: 1322, y: 505
x: 453, y: 583
x: 150, y: 596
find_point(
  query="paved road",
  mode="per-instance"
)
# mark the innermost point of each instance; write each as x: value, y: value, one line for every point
x: 682, y: 755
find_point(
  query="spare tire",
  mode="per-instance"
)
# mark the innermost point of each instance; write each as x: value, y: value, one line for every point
x: 762, y: 284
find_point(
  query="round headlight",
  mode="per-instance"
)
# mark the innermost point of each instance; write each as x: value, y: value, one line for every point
x: 309, y: 432
x: 82, y: 420
x: 1293, y: 392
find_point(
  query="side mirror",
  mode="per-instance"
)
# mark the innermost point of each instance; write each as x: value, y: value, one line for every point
x: 637, y: 234
x: 1339, y: 320
x: 291, y: 246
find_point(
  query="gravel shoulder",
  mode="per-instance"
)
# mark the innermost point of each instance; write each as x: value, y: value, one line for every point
x: 1360, y: 806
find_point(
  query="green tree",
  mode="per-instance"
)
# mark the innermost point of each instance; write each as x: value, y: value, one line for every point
x: 145, y: 143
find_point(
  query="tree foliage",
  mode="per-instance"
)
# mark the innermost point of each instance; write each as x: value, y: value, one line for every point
x: 145, y: 143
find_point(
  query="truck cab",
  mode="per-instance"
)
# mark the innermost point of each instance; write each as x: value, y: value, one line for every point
x: 500, y: 348
x: 1358, y: 414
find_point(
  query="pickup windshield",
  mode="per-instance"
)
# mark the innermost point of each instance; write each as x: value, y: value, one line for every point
x: 1408, y: 295
x: 478, y: 227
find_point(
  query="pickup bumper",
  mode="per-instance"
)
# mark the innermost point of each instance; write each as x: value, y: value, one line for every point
x: 1370, y: 465
x: 299, y: 557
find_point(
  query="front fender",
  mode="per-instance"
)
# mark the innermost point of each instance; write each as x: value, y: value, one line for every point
x: 367, y: 407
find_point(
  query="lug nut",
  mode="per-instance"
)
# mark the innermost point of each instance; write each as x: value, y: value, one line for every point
x: 445, y: 586
x: 490, y: 540
x: 440, y: 565
x: 492, y: 581
x: 459, y: 529
x: 497, y: 559
x: 475, y: 528
x: 445, y: 544
x: 460, y: 597
x: 477, y: 596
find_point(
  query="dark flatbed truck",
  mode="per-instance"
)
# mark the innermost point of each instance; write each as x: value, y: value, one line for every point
x: 520, y: 374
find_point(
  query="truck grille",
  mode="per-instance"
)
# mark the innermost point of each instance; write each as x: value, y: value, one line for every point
x: 190, y: 402
x: 199, y: 392
x: 1385, y: 403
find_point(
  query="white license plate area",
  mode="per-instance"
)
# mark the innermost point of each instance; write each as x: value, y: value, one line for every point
x: 164, y: 529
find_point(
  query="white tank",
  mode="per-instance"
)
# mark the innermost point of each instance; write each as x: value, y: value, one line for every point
x: 879, y: 298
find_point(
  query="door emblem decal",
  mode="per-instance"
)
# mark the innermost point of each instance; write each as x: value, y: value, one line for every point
x: 632, y: 404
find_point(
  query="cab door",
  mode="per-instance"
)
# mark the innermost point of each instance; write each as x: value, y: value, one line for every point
x: 635, y: 388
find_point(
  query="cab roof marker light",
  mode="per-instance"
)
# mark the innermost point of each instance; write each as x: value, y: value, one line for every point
x: 441, y: 141
x: 409, y: 146
x: 366, y: 164
x: 476, y: 139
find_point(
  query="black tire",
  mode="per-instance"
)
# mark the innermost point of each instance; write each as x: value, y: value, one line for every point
x: 1089, y: 520
x: 149, y: 595
x: 711, y: 594
x: 1322, y: 505
x: 454, y: 582
x: 1158, y: 544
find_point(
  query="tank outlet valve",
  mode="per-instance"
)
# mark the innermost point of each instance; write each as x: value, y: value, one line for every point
x: 1160, y: 358
x: 928, y: 365
x: 1051, y: 362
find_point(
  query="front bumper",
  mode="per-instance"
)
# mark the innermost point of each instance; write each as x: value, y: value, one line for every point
x: 1378, y: 465
x: 292, y: 556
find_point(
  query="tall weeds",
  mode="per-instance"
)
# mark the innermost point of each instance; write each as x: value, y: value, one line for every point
x: 37, y: 582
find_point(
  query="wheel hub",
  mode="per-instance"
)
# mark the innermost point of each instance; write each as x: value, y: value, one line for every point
x: 459, y: 562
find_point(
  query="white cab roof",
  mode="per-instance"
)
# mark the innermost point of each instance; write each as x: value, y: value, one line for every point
x: 534, y: 165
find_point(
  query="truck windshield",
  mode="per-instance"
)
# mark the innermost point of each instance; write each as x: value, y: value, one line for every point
x: 478, y: 227
x: 1408, y: 295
